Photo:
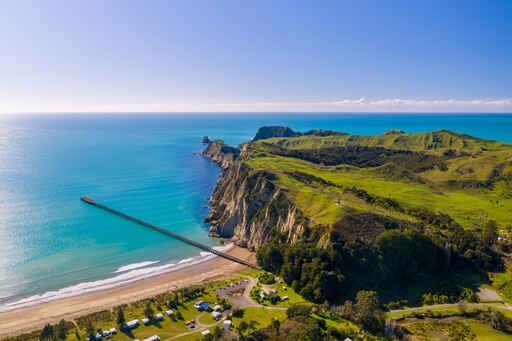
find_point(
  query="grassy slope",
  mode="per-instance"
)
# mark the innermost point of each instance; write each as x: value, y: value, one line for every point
x: 466, y: 206
x: 439, y: 330
x: 486, y: 333
x: 434, y: 142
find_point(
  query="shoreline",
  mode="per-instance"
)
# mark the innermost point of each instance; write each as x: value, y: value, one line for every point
x: 30, y: 318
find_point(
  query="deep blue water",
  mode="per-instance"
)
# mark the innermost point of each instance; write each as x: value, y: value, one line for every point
x: 145, y: 165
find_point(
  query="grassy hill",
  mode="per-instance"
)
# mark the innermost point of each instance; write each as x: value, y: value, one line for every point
x: 464, y: 177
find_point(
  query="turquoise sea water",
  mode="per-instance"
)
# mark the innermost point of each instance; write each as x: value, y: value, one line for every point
x: 52, y: 245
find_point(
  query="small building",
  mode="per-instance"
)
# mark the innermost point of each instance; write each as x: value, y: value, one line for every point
x: 169, y: 312
x: 113, y: 331
x: 348, y: 339
x: 159, y: 317
x: 227, y: 324
x: 205, y: 332
x: 106, y: 333
x: 284, y: 288
x: 145, y: 320
x: 131, y: 324
x: 202, y: 306
x: 152, y: 338
x: 217, y: 308
x: 216, y: 315
x: 285, y: 298
x: 98, y: 336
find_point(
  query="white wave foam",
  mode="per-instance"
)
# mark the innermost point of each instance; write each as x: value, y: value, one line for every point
x: 135, y: 266
x: 187, y: 260
x: 129, y: 276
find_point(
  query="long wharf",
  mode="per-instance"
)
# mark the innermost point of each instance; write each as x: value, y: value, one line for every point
x: 174, y: 235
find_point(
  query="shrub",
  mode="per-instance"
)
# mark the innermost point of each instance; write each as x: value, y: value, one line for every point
x: 238, y: 313
x: 267, y: 278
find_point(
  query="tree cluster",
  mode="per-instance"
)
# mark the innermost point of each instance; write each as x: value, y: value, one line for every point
x: 378, y: 254
x: 55, y: 332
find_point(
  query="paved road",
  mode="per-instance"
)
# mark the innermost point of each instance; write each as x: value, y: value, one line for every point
x: 454, y: 305
x: 244, y: 300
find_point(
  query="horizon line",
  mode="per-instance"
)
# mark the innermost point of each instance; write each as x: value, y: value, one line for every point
x: 255, y: 112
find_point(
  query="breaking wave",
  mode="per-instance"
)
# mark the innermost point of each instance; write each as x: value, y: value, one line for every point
x: 128, y: 274
x: 135, y: 266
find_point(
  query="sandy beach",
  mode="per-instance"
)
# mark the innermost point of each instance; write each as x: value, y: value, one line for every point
x: 34, y: 317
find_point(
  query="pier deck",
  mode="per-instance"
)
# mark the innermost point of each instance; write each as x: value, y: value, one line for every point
x: 177, y: 236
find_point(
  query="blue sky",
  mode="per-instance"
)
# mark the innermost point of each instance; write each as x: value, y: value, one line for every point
x: 137, y: 56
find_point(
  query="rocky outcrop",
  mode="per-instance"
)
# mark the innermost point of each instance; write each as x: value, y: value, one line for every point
x: 247, y: 207
x: 279, y: 131
x: 274, y: 131
x: 220, y: 153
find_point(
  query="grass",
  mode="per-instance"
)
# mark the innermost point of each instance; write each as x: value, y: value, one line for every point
x: 502, y: 283
x: 293, y: 297
x: 440, y: 330
x: 341, y: 324
x: 165, y: 328
x: 263, y: 316
x: 191, y: 337
x: 467, y: 207
x: 443, y: 311
x: 446, y: 312
x: 486, y: 333
x: 207, y: 319
x: 251, y: 272
x: 433, y: 142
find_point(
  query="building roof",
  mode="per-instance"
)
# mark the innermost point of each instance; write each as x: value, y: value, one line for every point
x: 132, y: 322
x: 152, y: 338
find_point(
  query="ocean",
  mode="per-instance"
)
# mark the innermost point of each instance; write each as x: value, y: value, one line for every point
x: 52, y: 245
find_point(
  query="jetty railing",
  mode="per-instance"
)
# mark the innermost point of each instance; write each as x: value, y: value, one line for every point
x: 172, y: 234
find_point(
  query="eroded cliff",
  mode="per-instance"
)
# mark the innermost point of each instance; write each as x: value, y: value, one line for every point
x: 247, y: 206
x: 220, y: 153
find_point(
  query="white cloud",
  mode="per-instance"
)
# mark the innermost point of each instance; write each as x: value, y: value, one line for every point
x: 362, y: 104
x: 342, y: 105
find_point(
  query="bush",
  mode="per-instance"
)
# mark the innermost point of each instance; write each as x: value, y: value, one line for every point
x: 267, y: 278
x: 298, y: 311
x: 238, y: 313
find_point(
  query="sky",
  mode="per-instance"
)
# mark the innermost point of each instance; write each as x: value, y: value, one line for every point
x: 255, y: 56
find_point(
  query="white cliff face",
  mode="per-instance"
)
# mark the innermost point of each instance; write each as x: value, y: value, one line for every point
x: 223, y: 155
x: 247, y: 206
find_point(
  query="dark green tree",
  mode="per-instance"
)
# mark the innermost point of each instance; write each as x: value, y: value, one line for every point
x: 48, y: 333
x: 490, y: 233
x: 120, y: 317
x: 275, y: 325
x: 61, y: 330
x: 396, y: 250
x: 148, y: 311
x: 367, y: 310
x: 90, y: 331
